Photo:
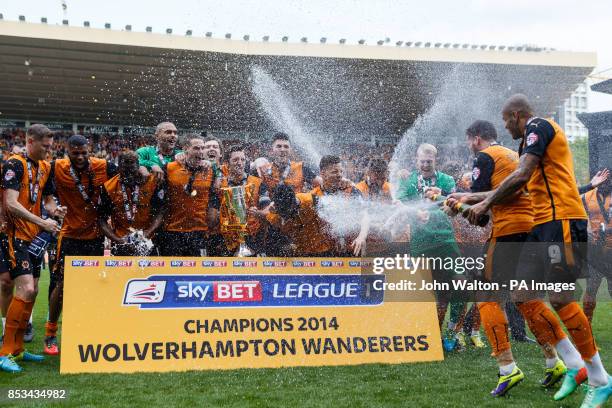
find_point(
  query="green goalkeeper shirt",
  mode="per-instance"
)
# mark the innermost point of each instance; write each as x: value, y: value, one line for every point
x: 434, y: 238
x: 149, y: 156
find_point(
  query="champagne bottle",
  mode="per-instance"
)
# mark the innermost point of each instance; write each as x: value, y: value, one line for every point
x: 461, y: 208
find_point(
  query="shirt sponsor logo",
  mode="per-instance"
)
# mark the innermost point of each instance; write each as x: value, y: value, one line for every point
x: 9, y: 175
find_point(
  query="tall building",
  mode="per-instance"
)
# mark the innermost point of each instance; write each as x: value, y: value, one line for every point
x: 600, y: 129
x: 576, y: 104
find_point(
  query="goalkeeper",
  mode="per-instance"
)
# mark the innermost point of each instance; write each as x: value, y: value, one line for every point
x: 432, y: 235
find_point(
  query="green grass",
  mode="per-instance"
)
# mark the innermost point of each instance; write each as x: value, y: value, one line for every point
x: 462, y: 380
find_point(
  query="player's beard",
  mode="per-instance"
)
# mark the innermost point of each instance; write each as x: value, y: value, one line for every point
x: 280, y: 160
x: 131, y: 180
x: 80, y: 166
x: 197, y: 163
x: 237, y: 173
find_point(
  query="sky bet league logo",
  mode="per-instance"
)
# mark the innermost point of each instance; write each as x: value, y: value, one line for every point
x: 120, y: 264
x: 143, y: 291
x: 182, y: 264
x: 214, y: 264
x: 214, y: 291
x: 303, y: 264
x: 83, y: 263
x: 150, y: 264
x: 329, y: 264
x: 274, y: 264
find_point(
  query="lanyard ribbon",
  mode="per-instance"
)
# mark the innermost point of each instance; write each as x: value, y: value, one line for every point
x: 130, y: 211
x: 34, y: 185
x: 285, y: 173
x: 77, y: 181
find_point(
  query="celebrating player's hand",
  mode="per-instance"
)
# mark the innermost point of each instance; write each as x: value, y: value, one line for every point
x: 50, y: 225
x: 403, y: 174
x: 180, y: 157
x: 476, y: 211
x: 262, y: 165
x: 259, y: 213
x: 266, y: 210
x: 157, y: 172
x: 432, y: 191
x: 345, y: 183
x: 600, y: 177
x: 459, y: 197
x: 142, y: 170
x: 359, y: 246
x: 450, y: 206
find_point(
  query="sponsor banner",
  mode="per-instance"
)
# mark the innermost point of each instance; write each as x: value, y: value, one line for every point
x: 206, y: 291
x: 139, y: 131
x: 56, y: 126
x: 165, y: 314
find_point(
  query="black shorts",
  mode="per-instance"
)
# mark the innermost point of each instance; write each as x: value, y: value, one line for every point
x: 183, y: 243
x: 502, y: 257
x: 76, y: 247
x: 21, y: 261
x: 554, y: 252
x: 4, y: 253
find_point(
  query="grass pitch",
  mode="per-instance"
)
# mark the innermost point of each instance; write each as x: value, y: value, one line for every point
x: 462, y: 380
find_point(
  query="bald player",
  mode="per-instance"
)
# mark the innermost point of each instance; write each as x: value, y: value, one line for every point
x: 554, y: 247
x: 154, y: 158
x: 512, y: 222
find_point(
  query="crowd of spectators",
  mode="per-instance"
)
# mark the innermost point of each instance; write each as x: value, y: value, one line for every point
x: 354, y: 156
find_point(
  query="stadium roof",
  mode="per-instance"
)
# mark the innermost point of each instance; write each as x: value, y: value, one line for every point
x: 60, y: 73
x: 603, y: 86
